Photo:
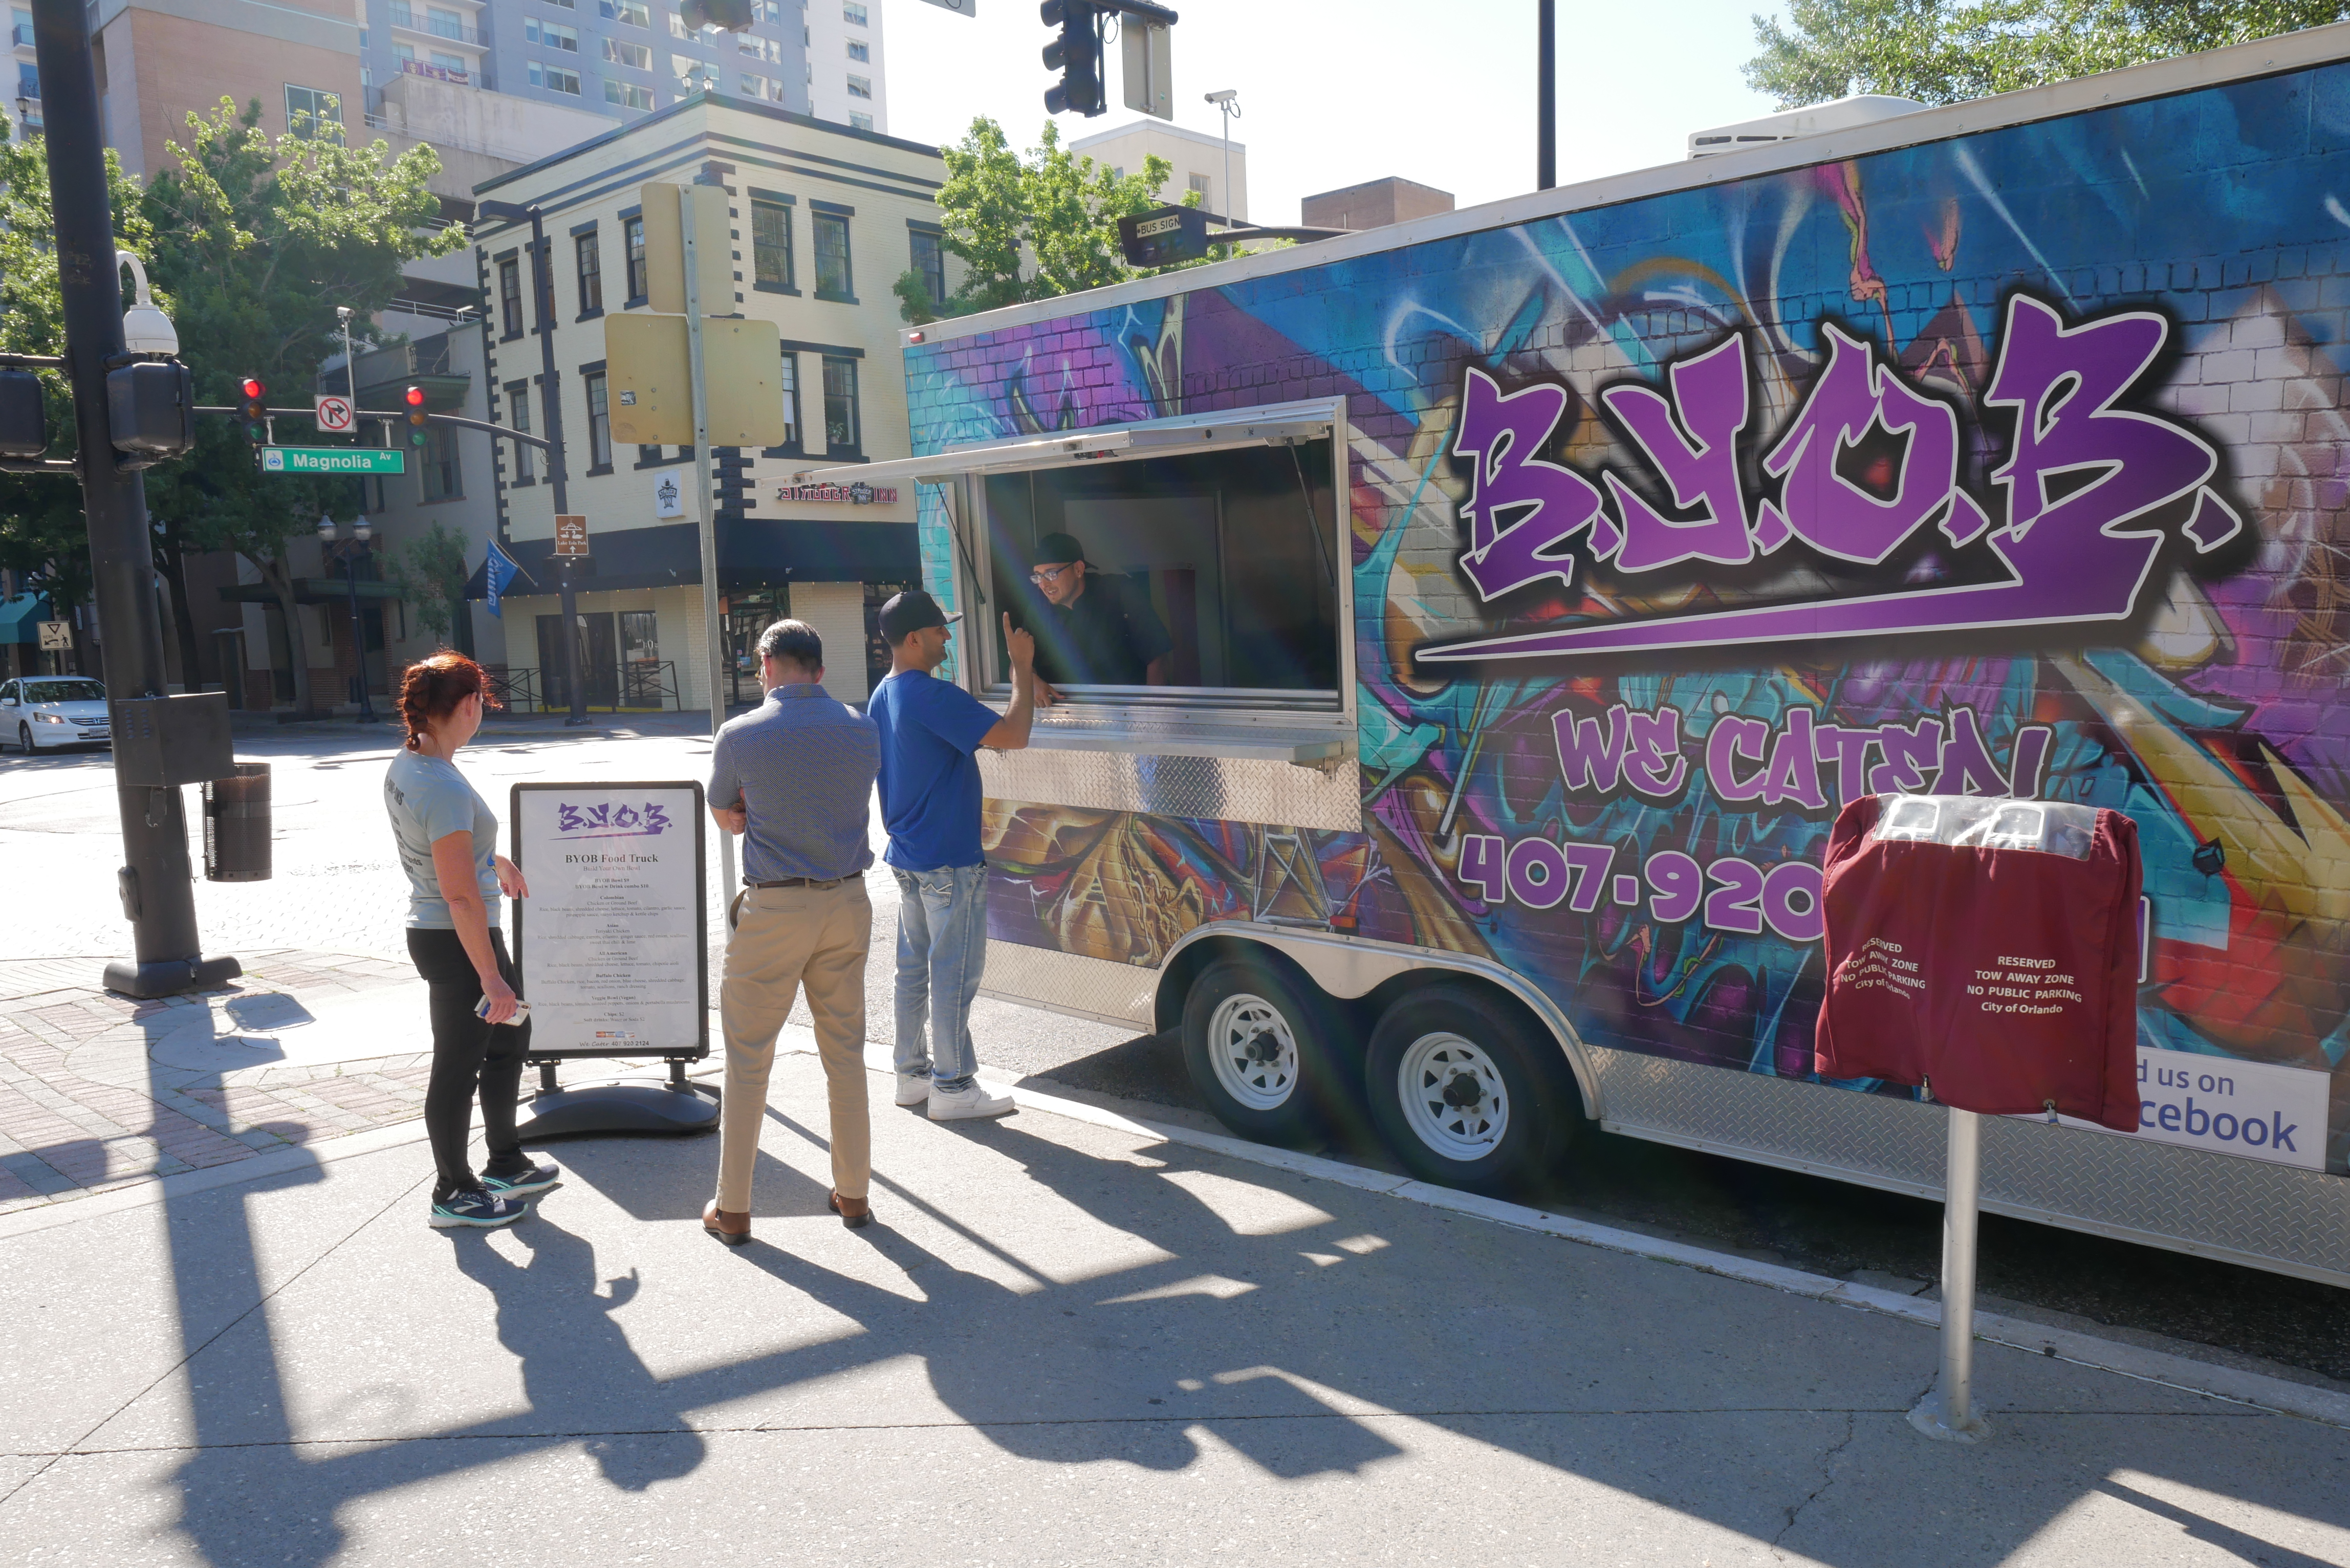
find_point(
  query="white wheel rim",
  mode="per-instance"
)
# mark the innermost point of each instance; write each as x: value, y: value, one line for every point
x: 1454, y: 1096
x: 1254, y: 1052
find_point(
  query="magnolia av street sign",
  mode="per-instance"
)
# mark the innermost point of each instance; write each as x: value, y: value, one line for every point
x: 333, y: 459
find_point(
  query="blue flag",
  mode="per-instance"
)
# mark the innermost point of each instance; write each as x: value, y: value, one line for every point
x: 497, y: 572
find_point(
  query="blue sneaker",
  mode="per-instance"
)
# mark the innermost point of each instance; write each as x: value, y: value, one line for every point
x: 476, y: 1209
x: 531, y: 1180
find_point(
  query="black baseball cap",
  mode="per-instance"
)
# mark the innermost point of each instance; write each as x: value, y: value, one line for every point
x: 909, y: 612
x: 1058, y: 547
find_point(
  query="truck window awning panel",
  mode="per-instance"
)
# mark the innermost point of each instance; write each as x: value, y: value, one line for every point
x: 1265, y: 426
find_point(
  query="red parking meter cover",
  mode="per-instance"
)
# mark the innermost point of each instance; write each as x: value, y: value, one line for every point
x: 2007, y: 977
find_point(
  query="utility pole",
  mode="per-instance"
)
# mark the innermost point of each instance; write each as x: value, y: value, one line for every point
x: 1545, y: 94
x: 157, y: 882
x: 707, y: 186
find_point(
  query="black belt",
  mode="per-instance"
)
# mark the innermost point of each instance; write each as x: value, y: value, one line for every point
x: 799, y: 882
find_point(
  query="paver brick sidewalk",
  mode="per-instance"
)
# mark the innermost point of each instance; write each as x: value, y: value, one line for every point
x: 78, y: 1112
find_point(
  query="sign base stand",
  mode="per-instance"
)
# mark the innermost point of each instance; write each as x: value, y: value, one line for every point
x: 1946, y: 1412
x: 623, y: 1105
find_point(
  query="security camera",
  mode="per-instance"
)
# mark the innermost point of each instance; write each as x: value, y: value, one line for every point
x: 1224, y: 97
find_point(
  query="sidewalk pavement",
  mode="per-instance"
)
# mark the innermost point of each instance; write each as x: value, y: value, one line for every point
x: 1061, y: 1341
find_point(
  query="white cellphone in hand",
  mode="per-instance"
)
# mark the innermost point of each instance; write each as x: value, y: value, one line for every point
x: 520, y: 1012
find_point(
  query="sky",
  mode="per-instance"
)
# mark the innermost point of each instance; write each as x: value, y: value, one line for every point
x: 1335, y: 92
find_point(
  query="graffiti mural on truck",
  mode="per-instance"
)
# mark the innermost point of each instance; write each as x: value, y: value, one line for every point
x: 2008, y: 460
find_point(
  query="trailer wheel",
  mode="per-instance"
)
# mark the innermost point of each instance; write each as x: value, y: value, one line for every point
x: 1464, y: 1094
x: 1257, y: 1047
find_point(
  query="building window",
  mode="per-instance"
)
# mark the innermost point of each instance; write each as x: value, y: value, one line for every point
x: 518, y: 418
x: 832, y: 276
x: 635, y: 13
x: 860, y: 87
x: 446, y: 24
x: 840, y: 433
x: 853, y: 12
x: 554, y: 79
x: 459, y: 68
x: 770, y: 244
x: 29, y: 82
x: 635, y: 57
x: 509, y: 295
x: 632, y: 240
x: 929, y: 261
x: 554, y: 34
x: 627, y: 95
x: 759, y: 86
x: 311, y: 113
x: 791, y: 382
x: 1200, y: 189
x: 23, y: 33
x: 600, y: 424
x: 442, y: 480
x: 859, y: 50
x: 859, y: 121
x: 591, y: 275
x: 768, y: 49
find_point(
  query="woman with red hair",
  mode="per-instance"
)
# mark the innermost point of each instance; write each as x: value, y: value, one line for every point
x: 448, y: 845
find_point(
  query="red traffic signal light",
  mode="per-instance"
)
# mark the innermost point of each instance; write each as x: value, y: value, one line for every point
x: 256, y: 409
x: 253, y: 390
x: 416, y: 415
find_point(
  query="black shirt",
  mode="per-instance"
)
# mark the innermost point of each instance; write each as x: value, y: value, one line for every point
x: 1106, y: 638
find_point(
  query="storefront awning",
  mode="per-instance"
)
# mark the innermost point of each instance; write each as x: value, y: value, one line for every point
x: 310, y: 591
x: 21, y: 617
x: 751, y: 550
x: 1277, y: 424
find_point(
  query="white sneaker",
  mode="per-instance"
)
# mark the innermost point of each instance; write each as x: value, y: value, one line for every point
x: 973, y: 1101
x: 913, y: 1089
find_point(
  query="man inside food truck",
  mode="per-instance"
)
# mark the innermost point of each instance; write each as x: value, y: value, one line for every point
x: 1097, y: 631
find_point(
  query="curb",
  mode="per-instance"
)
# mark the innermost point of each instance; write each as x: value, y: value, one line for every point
x: 2168, y: 1369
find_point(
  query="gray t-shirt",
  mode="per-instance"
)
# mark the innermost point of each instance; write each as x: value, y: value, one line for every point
x: 428, y: 799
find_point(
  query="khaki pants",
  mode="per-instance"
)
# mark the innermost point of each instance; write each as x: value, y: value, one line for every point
x: 785, y: 938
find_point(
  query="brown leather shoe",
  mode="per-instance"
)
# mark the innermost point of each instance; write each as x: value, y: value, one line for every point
x: 732, y: 1228
x: 855, y: 1212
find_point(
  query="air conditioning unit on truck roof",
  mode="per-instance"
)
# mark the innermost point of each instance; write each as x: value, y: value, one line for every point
x: 1513, y: 599
x: 1842, y: 114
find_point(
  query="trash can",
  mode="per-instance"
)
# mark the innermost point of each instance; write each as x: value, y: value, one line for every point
x: 236, y: 826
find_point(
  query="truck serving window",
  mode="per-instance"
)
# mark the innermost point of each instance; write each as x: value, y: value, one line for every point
x: 1207, y: 577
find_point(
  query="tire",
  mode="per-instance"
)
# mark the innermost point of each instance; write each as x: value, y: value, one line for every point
x: 1466, y: 1094
x: 1263, y: 1050
x: 24, y: 738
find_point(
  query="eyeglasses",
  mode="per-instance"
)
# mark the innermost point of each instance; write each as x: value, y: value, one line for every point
x: 1044, y: 576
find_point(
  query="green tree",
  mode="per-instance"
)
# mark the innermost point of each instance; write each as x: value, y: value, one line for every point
x: 1034, y: 228
x: 258, y: 239
x: 1943, y: 51
x: 43, y: 534
x: 431, y: 575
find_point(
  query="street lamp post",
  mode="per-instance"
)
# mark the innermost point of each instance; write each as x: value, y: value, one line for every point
x: 351, y: 554
x: 1228, y: 101
x: 542, y: 278
x: 1547, y: 95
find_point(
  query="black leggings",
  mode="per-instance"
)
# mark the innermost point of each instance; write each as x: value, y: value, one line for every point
x: 467, y: 1051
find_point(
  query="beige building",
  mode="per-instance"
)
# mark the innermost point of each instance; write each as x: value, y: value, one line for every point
x: 1200, y: 161
x: 824, y: 218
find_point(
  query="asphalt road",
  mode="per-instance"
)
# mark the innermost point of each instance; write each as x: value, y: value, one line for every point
x: 337, y: 887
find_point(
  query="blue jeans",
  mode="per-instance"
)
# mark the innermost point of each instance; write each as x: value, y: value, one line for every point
x: 941, y: 949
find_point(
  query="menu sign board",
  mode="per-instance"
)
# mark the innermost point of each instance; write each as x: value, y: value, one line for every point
x: 612, y: 945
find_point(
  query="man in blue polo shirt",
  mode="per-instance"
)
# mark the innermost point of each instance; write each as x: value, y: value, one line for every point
x: 930, y: 802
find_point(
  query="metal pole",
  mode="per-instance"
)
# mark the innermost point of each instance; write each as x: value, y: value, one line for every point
x: 1227, y: 204
x: 157, y: 882
x: 707, y: 511
x: 1948, y: 1412
x: 1547, y: 95
x: 542, y: 282
x: 358, y: 630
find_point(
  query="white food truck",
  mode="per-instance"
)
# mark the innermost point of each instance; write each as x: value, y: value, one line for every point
x: 1510, y: 599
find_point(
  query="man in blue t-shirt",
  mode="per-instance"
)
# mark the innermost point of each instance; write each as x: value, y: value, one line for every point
x: 930, y: 802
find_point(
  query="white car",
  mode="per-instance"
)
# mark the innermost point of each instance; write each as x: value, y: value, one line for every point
x: 45, y: 710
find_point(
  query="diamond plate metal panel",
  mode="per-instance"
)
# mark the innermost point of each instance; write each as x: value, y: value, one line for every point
x: 1233, y: 789
x: 1070, y: 982
x: 2268, y: 1216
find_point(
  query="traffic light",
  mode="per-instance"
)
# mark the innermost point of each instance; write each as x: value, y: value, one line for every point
x: 416, y: 416
x: 255, y: 411
x: 726, y: 16
x: 1076, y: 54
